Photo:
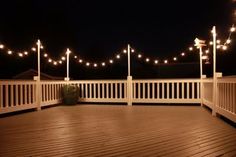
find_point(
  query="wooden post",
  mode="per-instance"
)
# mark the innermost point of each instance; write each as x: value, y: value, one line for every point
x: 129, y: 90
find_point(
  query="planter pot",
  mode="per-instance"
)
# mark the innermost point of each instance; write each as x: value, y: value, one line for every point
x: 70, y: 94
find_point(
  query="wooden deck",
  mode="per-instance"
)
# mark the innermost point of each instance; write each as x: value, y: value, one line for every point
x: 103, y: 130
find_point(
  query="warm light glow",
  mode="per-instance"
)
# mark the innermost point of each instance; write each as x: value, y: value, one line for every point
x: 20, y: 54
x: 111, y: 61
x: 87, y: 64
x: 1, y: 46
x: 218, y: 41
x: 49, y: 60
x: 75, y: 57
x: 60, y: 62
x: 190, y: 48
x: 103, y: 63
x: 81, y: 61
x: 55, y: 63
x: 182, y: 54
x: 156, y: 61
x: 9, y: 52
x: 118, y: 56
x: 228, y: 41
x: 132, y: 50
x: 124, y: 51
x: 147, y: 59
x: 33, y: 49
x: 45, y: 55
x: 207, y: 51
x: 211, y: 42
x: 41, y: 46
x: 224, y: 47
x: 165, y: 61
x: 63, y: 58
x: 95, y: 65
x: 205, y: 57
x: 139, y: 56
x: 25, y: 53
x: 218, y: 46
x: 68, y: 51
x: 175, y: 58
x: 232, y: 29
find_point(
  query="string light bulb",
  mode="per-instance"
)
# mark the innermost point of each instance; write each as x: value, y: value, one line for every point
x: 41, y: 47
x: 103, y: 64
x: 75, y: 57
x: 232, y: 29
x: 49, y: 60
x: 80, y: 61
x: 95, y: 65
x: 54, y: 63
x: 63, y: 58
x: 9, y: 52
x: 218, y: 41
x: 132, y: 50
x: 87, y: 64
x: 118, y: 56
x: 182, y: 54
x: 1, y: 46
x: 33, y: 49
x: 218, y: 46
x: 111, y: 61
x: 166, y: 61
x: 207, y: 51
x: 156, y: 61
x: 20, y: 54
x: 175, y: 58
x: 60, y: 62
x: 228, y: 41
x: 26, y: 53
x: 190, y: 48
x: 224, y: 47
x: 147, y: 59
x: 124, y: 51
x: 139, y: 56
x: 211, y: 42
x: 45, y: 55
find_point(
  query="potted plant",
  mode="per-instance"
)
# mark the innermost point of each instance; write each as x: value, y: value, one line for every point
x: 70, y: 94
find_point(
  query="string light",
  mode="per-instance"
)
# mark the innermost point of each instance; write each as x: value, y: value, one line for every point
x: 45, y: 55
x: 103, y: 64
x: 63, y: 58
x: 60, y: 62
x: 55, y: 63
x: 41, y: 47
x: 33, y: 49
x: 165, y: 61
x: 224, y: 47
x: 80, y: 61
x: 124, y: 51
x: 50, y: 60
x: 132, y: 50
x: 190, y: 48
x: 218, y: 41
x: 232, y: 29
x: 95, y: 65
x: 147, y: 59
x: 25, y: 53
x: 211, y: 42
x: 207, y: 51
x: 156, y: 62
x: 1, y: 46
x: 175, y: 58
x: 182, y: 54
x: 87, y: 64
x: 118, y: 56
x: 228, y: 41
x: 111, y: 61
x: 139, y: 56
x: 75, y: 57
x: 9, y: 52
x: 20, y: 54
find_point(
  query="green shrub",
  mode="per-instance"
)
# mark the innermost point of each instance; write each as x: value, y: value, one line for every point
x: 70, y: 94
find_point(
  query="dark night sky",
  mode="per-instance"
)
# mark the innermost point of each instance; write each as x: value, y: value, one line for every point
x: 98, y: 29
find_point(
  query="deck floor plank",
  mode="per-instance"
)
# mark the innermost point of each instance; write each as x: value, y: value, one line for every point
x: 113, y: 130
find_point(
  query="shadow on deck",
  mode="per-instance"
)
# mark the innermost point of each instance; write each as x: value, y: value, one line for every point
x: 102, y: 130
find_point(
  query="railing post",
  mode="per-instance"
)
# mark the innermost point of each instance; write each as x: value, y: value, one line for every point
x: 202, y: 88
x: 38, y: 93
x: 129, y: 90
x: 215, y: 93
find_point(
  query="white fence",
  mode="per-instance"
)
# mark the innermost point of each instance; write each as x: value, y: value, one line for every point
x: 21, y: 95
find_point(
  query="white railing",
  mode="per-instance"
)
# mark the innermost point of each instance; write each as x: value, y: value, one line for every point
x: 166, y: 91
x: 21, y: 95
x: 225, y: 103
x: 17, y: 95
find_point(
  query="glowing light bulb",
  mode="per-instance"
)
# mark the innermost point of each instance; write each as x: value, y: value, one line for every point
x: 25, y: 53
x: 190, y: 48
x: 80, y: 61
x: 165, y: 61
x: 87, y: 64
x: 156, y: 61
x: 9, y: 52
x: 218, y: 41
x: 60, y: 62
x: 207, y: 51
x: 63, y: 58
x: 75, y: 57
x: 45, y: 55
x: 224, y: 47
x: 211, y: 42
x: 232, y: 29
x: 218, y: 46
x: 147, y: 59
x: 95, y: 65
x: 182, y: 54
x: 33, y: 49
x: 54, y: 63
x: 103, y: 64
x: 228, y: 41
x: 132, y: 50
x: 139, y: 56
x: 111, y: 61
x: 49, y: 60
x: 20, y: 54
x: 175, y: 59
x: 118, y: 56
x: 1, y: 46
x: 205, y: 57
x: 41, y: 47
x: 124, y: 51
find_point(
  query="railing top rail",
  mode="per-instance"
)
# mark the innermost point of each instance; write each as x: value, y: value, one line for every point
x: 226, y: 80
x: 167, y: 80
x: 17, y: 82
